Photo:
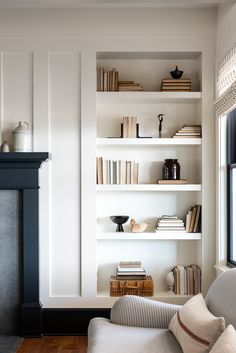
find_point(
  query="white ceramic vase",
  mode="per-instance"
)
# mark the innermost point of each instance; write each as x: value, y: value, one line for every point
x: 22, y: 138
x: 170, y: 282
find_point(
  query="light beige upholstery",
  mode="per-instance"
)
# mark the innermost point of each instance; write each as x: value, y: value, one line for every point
x: 105, y: 337
x: 125, y: 334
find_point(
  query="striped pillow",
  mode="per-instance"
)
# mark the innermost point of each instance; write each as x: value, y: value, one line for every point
x: 195, y: 328
x: 226, y: 343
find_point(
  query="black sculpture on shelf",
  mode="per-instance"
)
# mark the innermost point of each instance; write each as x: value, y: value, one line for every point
x: 119, y: 220
x: 176, y: 74
x: 160, y: 117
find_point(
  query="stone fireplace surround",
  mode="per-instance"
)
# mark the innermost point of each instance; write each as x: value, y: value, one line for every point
x: 19, y: 171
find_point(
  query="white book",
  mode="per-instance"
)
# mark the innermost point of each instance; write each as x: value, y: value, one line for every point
x: 130, y: 269
x: 123, y: 172
x: 170, y: 228
x: 181, y: 278
x: 172, y: 224
x: 104, y: 173
x: 188, y: 220
x: 108, y: 172
x: 111, y: 171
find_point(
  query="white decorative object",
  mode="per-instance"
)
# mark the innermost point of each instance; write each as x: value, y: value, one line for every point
x: 22, y: 138
x: 170, y: 282
x: 137, y: 228
x: 5, y: 147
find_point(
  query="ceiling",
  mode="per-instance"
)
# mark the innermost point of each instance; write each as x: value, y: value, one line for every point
x: 110, y: 3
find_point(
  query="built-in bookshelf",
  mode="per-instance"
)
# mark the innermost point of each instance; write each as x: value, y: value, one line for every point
x: 147, y: 201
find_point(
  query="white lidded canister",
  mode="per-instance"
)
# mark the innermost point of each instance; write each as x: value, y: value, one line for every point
x: 22, y: 138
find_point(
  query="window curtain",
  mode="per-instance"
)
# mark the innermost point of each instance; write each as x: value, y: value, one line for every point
x: 226, y: 84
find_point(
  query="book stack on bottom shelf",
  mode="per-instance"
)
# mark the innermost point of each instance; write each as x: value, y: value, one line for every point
x: 131, y: 279
x: 130, y: 270
x: 187, y: 279
x: 170, y: 223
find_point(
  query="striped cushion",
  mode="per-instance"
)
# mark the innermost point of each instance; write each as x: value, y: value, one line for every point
x: 226, y: 343
x: 131, y: 310
x: 195, y: 328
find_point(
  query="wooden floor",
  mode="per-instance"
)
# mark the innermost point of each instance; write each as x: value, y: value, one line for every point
x: 54, y: 344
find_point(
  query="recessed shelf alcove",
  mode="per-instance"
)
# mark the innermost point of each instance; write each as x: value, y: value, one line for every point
x: 19, y: 171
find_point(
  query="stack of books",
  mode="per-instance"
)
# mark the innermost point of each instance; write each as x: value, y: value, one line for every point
x: 170, y: 223
x: 176, y: 85
x: 117, y: 172
x: 107, y: 80
x: 193, y: 219
x: 125, y: 86
x: 129, y: 127
x: 130, y: 270
x: 187, y: 280
x: 189, y: 131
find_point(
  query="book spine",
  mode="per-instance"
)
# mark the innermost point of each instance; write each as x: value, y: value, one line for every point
x: 105, y: 81
x: 101, y: 79
x: 136, y: 172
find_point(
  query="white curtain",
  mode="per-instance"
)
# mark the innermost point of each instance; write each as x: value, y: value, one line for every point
x: 226, y: 84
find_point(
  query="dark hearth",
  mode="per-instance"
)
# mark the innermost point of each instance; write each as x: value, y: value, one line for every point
x: 19, y: 255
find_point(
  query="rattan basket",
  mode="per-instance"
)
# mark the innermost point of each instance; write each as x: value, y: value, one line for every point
x: 141, y: 287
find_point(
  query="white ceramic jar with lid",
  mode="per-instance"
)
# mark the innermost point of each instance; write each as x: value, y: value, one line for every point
x: 22, y: 138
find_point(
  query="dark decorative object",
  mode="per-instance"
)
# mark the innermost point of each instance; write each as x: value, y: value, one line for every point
x: 167, y: 169
x: 19, y: 171
x: 175, y: 170
x: 119, y: 220
x: 141, y: 137
x: 160, y: 117
x: 176, y: 74
x: 171, y: 169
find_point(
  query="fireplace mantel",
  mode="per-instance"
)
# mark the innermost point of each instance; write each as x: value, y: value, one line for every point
x: 19, y: 171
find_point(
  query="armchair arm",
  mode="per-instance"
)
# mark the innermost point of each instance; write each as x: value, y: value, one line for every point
x: 136, y: 311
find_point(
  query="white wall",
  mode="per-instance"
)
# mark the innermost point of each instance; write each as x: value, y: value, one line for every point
x: 226, y: 29
x: 48, y: 77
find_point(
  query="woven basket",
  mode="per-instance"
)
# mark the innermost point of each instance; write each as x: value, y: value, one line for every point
x: 141, y: 287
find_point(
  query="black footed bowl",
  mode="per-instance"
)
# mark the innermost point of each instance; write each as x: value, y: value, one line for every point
x: 119, y: 220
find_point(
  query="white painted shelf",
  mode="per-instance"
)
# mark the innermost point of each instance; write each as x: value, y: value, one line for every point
x: 149, y: 187
x: 161, y: 235
x: 158, y: 296
x: 148, y: 141
x: 149, y: 97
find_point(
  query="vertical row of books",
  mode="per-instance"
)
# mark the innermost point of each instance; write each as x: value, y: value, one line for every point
x: 193, y: 219
x: 187, y: 279
x: 107, y: 81
x: 117, y: 172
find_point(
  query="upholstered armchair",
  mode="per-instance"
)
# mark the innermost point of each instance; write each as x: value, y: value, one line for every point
x: 139, y: 325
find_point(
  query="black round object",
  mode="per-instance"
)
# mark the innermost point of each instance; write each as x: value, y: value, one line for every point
x: 176, y: 74
x: 119, y: 220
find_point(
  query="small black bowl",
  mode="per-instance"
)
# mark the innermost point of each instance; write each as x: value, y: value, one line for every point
x: 176, y: 74
x: 119, y: 220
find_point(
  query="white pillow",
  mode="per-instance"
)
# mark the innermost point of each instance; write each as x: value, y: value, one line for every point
x: 226, y: 343
x: 195, y: 328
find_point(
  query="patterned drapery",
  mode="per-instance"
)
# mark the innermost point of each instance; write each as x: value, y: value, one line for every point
x: 226, y: 84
